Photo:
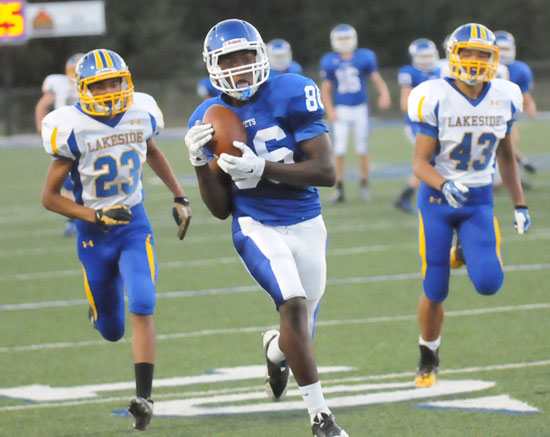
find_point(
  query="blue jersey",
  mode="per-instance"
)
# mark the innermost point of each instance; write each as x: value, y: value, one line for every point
x: 410, y: 76
x: 521, y: 75
x: 284, y: 111
x: 205, y: 89
x: 294, y: 68
x: 348, y: 75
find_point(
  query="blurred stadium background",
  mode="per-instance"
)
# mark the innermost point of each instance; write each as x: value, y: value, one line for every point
x: 162, y: 43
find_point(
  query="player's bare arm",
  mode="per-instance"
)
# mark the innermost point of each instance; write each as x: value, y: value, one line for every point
x: 404, y: 97
x: 215, y: 194
x: 53, y: 200
x: 509, y: 170
x: 424, y: 149
x: 318, y: 170
x: 42, y: 108
x: 384, y: 99
x: 326, y: 98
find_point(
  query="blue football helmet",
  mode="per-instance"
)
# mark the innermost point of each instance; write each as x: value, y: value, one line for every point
x: 424, y: 54
x: 343, y: 38
x: 506, y: 44
x: 232, y: 36
x: 478, y: 37
x: 279, y: 54
x: 99, y: 65
x: 70, y: 65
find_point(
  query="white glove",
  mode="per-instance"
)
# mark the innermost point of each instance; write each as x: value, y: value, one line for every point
x: 522, y: 221
x: 195, y: 140
x: 455, y: 193
x: 240, y: 168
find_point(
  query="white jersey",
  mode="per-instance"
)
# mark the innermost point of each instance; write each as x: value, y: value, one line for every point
x: 468, y: 130
x: 108, y: 154
x: 63, y: 88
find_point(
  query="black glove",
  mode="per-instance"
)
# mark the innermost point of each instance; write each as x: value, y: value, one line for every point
x: 113, y: 215
x: 181, y: 211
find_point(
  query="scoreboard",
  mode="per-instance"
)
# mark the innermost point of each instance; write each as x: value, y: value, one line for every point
x: 12, y: 22
x: 20, y: 20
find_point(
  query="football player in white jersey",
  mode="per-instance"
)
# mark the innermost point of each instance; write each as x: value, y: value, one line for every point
x: 59, y: 90
x: 278, y: 230
x: 464, y: 123
x: 104, y: 141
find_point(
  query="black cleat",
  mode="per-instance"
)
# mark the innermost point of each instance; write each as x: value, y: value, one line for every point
x: 325, y: 426
x: 457, y: 256
x: 142, y: 410
x: 404, y: 204
x: 276, y: 375
x: 337, y: 196
x: 529, y: 167
x: 426, y: 374
x: 91, y: 317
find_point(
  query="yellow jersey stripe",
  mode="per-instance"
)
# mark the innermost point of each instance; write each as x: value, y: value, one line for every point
x: 498, y: 241
x: 54, y: 141
x: 150, y: 257
x: 98, y: 61
x: 89, y: 293
x: 422, y: 244
x: 420, y: 109
x: 107, y: 58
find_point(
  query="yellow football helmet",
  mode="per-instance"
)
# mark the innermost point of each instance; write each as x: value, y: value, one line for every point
x: 476, y: 37
x: 99, y: 65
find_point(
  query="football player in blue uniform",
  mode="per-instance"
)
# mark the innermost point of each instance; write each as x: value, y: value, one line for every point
x: 104, y: 141
x: 520, y: 74
x: 425, y: 59
x: 279, y: 54
x: 464, y: 126
x: 277, y: 227
x: 344, y: 94
x: 206, y: 90
x: 59, y: 90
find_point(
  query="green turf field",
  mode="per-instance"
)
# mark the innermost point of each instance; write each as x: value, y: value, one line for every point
x: 495, y: 353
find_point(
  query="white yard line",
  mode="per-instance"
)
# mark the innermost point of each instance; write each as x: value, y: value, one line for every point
x: 252, y: 329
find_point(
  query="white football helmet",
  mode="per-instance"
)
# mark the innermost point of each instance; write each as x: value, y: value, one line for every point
x: 279, y: 54
x: 424, y: 54
x: 232, y: 36
x: 506, y: 44
x: 343, y: 38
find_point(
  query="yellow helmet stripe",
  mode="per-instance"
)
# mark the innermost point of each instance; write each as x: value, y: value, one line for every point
x: 473, y: 33
x: 483, y: 33
x: 107, y: 58
x: 98, y: 60
x: 54, y: 141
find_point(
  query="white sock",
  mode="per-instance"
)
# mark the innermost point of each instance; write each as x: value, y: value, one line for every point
x: 274, y: 352
x: 314, y: 399
x: 432, y: 345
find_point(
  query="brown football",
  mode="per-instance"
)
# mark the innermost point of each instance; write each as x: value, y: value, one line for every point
x: 228, y: 127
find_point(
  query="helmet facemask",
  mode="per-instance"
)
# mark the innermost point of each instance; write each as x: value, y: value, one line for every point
x: 473, y: 71
x: 224, y: 80
x: 109, y: 104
